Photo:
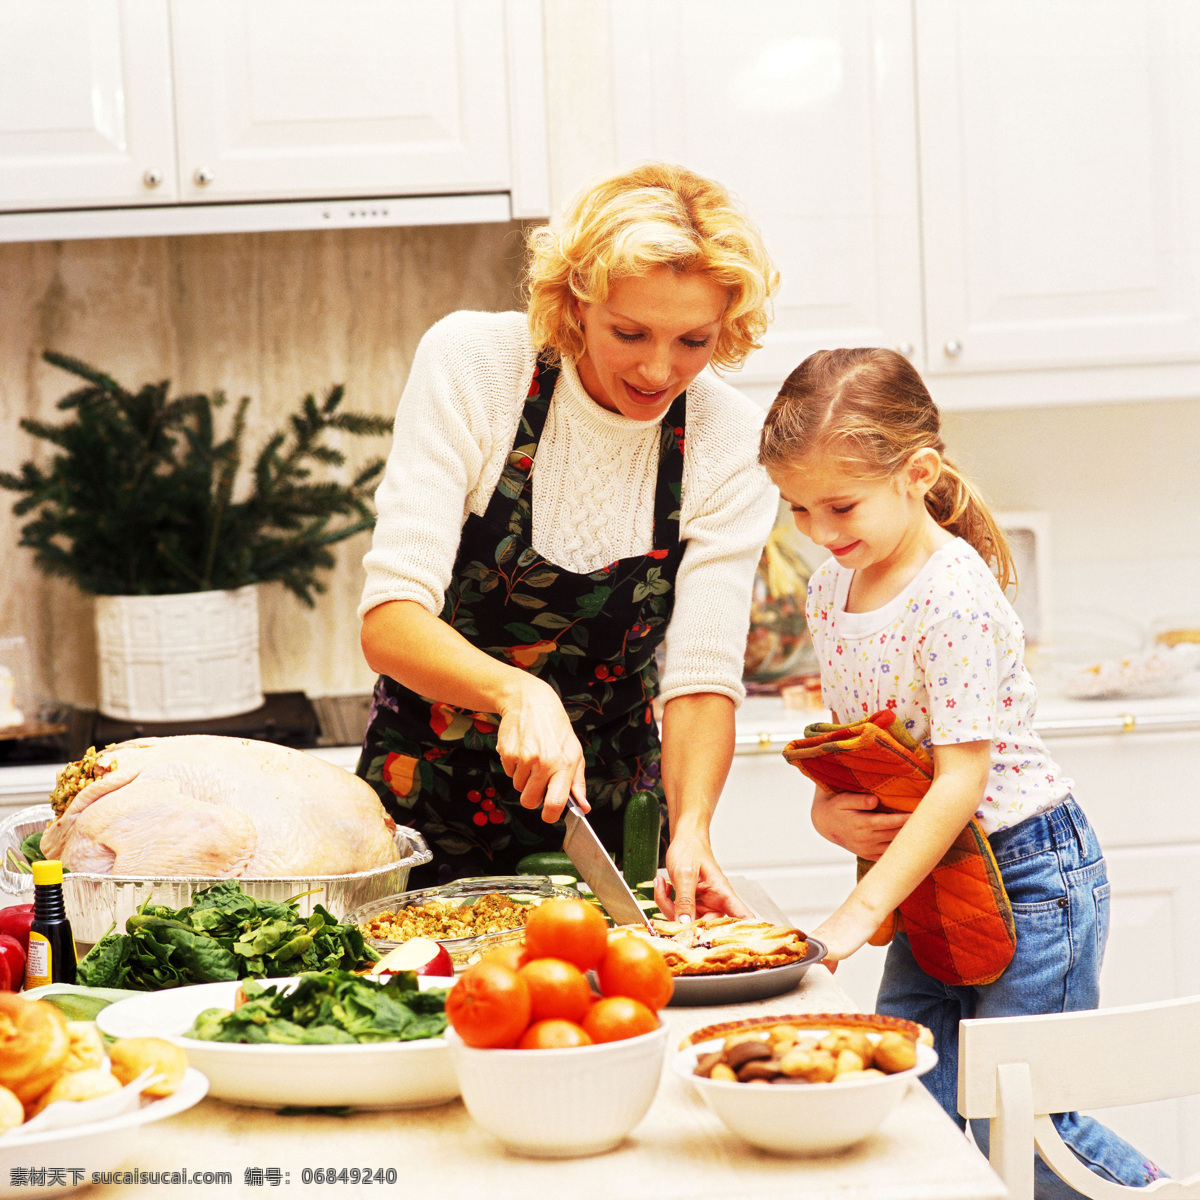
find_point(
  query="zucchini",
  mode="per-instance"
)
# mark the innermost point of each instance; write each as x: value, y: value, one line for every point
x: 547, y: 862
x: 643, y: 821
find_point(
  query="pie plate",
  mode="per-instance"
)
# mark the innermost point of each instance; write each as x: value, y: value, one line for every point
x: 367, y: 1075
x: 738, y: 987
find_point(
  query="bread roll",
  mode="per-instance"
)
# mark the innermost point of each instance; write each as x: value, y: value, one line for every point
x: 86, y: 1048
x: 33, y: 1045
x: 129, y: 1057
x: 12, y: 1111
x: 78, y: 1085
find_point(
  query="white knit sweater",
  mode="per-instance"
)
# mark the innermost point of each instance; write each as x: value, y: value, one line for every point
x: 593, y: 488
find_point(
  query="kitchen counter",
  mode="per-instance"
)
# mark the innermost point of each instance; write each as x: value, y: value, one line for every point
x: 680, y: 1150
x: 765, y: 726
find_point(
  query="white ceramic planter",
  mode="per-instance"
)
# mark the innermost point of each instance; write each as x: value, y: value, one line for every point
x: 185, y: 657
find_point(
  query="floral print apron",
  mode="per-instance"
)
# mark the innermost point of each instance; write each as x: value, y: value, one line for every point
x: 592, y: 637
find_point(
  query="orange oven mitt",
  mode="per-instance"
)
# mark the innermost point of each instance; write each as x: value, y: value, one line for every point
x: 958, y: 918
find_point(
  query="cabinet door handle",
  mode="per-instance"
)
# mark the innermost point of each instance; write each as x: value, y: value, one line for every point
x: 906, y: 348
x: 953, y: 348
x: 203, y: 176
x: 152, y: 178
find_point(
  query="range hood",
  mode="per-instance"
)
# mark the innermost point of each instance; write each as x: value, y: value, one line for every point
x: 169, y: 220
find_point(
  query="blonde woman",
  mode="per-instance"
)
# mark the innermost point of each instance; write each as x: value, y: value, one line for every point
x: 565, y: 487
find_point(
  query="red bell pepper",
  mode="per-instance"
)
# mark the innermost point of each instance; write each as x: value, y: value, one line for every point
x: 15, y: 921
x: 13, y: 959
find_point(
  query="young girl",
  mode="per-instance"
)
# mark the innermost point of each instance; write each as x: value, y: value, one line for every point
x: 906, y: 615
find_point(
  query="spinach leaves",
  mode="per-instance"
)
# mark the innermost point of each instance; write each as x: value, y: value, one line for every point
x: 224, y: 934
x: 328, y: 1008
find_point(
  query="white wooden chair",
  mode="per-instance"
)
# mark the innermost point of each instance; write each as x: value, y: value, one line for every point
x: 1014, y: 1071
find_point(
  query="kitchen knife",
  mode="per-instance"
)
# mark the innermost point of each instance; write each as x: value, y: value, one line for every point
x: 599, y: 872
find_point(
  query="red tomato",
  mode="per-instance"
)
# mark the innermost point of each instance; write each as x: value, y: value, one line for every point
x: 557, y: 988
x: 632, y: 967
x: 618, y: 1017
x: 511, y: 955
x: 570, y: 929
x: 553, y: 1035
x: 489, y: 1005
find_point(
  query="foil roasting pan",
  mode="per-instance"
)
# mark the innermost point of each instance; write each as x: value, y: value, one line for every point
x: 95, y: 902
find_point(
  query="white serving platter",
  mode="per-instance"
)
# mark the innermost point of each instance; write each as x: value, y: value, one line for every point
x: 99, y: 1146
x: 371, y: 1075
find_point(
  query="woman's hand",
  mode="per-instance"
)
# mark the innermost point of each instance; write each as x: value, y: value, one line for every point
x: 539, y: 750
x: 697, y: 748
x: 699, y: 886
x: 535, y: 741
x: 856, y: 821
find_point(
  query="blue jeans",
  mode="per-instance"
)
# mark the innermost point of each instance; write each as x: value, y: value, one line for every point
x: 1054, y: 873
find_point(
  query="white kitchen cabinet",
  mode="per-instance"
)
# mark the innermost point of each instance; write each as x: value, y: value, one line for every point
x: 806, y: 112
x: 1060, y: 188
x: 85, y: 104
x: 1007, y: 192
x: 290, y: 98
x: 1142, y: 796
x: 205, y: 102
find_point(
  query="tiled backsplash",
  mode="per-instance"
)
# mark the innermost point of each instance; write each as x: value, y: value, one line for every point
x: 272, y: 316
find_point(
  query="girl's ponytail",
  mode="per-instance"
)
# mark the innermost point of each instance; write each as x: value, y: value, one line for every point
x: 956, y: 506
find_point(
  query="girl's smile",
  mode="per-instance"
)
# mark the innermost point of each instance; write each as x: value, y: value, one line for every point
x: 878, y: 527
x: 653, y: 335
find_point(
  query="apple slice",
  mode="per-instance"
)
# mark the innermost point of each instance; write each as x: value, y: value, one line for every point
x: 422, y: 955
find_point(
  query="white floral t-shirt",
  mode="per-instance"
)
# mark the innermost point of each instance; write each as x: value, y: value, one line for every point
x: 947, y: 655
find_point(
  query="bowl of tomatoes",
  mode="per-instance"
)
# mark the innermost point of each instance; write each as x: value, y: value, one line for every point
x: 529, y: 1034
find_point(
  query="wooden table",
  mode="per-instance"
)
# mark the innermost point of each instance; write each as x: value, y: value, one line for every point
x: 680, y: 1151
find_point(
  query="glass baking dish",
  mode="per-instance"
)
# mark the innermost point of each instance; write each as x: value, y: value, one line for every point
x: 526, y: 890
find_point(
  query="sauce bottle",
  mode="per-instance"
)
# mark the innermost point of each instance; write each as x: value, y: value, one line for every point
x: 51, y: 957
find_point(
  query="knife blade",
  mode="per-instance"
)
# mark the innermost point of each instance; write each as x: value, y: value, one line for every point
x: 599, y: 872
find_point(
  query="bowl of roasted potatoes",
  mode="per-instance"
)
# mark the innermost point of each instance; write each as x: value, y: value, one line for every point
x: 810, y: 1084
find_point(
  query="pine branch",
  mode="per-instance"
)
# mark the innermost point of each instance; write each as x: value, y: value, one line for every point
x: 77, y: 367
x: 139, y: 494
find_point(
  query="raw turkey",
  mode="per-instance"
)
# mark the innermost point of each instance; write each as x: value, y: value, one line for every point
x: 220, y: 806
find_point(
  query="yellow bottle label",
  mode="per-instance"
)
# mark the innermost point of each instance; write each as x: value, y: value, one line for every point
x: 39, y: 964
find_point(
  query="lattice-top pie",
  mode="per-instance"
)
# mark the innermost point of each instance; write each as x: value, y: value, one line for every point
x: 717, y: 945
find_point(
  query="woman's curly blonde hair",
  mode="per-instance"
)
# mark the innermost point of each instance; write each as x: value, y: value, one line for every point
x: 655, y: 215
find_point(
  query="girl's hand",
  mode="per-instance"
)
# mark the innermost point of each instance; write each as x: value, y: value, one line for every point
x: 697, y: 885
x: 856, y: 821
x: 960, y: 775
x: 539, y: 750
x: 845, y: 931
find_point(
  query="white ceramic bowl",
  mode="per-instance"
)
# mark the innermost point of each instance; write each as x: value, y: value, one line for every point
x: 530, y: 1099
x: 369, y: 1075
x: 100, y: 1146
x: 816, y: 1118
